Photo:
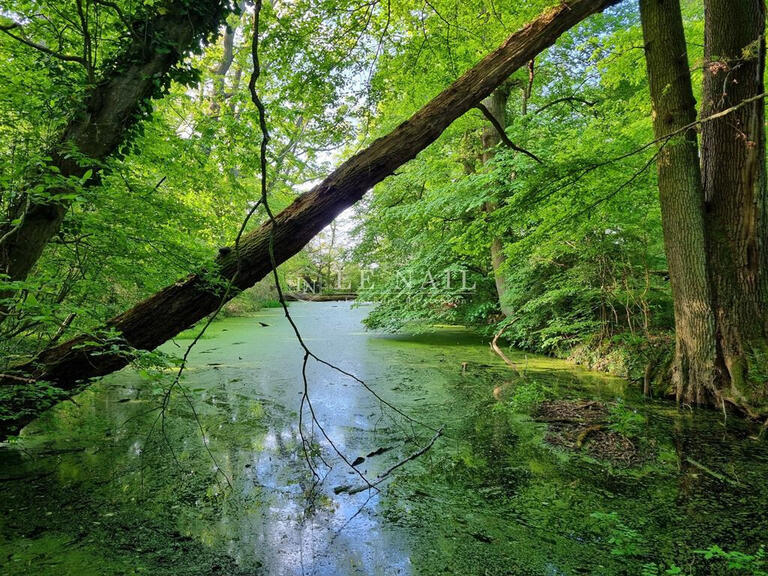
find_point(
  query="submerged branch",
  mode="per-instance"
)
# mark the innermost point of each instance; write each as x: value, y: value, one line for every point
x: 495, y: 347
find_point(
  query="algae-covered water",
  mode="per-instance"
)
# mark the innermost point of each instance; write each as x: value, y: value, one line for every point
x: 221, y: 484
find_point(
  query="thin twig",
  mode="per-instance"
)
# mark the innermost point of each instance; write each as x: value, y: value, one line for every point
x: 264, y: 201
x: 569, y: 99
x: 577, y: 175
x: 503, y: 135
x: 381, y: 477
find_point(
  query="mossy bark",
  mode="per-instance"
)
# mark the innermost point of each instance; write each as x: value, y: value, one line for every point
x: 112, y: 108
x: 714, y: 212
x: 736, y: 205
x: 681, y: 196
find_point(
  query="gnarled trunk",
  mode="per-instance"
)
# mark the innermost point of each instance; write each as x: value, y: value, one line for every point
x: 68, y: 366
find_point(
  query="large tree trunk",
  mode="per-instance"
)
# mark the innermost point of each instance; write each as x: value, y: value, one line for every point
x: 681, y: 198
x: 141, y: 71
x: 150, y: 323
x: 496, y: 104
x: 733, y: 150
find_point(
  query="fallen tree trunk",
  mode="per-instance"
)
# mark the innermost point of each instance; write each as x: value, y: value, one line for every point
x: 142, y: 70
x: 67, y: 367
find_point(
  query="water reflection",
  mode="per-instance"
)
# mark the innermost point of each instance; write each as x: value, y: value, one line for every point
x: 246, y: 391
x: 88, y: 489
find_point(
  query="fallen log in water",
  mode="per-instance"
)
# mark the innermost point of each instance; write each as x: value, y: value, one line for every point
x: 68, y: 367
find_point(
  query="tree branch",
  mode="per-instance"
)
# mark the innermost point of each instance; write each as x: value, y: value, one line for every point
x: 117, y: 10
x: 565, y: 99
x: 6, y: 28
x: 504, y: 138
x: 381, y: 477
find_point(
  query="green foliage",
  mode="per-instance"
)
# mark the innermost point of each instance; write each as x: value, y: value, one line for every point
x: 628, y: 542
x: 625, y: 420
x: 652, y: 569
x: 751, y: 564
x: 624, y: 541
x: 584, y: 257
x: 581, y: 233
x: 527, y: 396
x: 24, y: 398
x: 182, y: 181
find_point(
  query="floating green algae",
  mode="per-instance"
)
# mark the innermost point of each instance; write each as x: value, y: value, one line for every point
x: 106, y: 485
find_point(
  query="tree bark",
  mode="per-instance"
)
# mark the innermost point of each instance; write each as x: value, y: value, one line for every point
x: 496, y: 104
x: 733, y: 150
x: 220, y: 72
x: 681, y: 198
x: 114, y: 106
x: 68, y: 366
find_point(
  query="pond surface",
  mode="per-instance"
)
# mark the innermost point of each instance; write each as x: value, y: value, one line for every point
x: 221, y: 483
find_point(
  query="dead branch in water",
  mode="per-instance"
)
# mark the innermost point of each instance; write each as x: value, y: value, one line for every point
x: 712, y: 473
x: 500, y: 353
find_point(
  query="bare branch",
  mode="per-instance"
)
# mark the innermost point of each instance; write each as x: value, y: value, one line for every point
x: 65, y: 57
x: 565, y: 99
x: 381, y: 477
x: 118, y: 11
x: 491, y: 118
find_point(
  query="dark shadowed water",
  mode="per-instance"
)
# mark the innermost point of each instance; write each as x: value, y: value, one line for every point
x: 221, y: 484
